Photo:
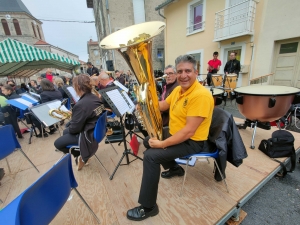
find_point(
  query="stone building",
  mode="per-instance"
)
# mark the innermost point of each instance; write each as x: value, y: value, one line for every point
x: 94, y: 53
x: 113, y: 15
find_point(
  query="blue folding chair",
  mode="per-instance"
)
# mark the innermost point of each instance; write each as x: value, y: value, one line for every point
x: 203, y: 155
x: 112, y: 116
x: 41, y: 202
x: 99, y: 134
x: 9, y: 143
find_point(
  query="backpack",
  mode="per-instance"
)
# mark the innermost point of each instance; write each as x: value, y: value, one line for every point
x: 281, y: 144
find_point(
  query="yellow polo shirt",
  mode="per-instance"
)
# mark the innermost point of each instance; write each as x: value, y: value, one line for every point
x: 196, y: 101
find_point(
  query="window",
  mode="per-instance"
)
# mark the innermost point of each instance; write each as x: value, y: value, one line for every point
x: 160, y: 53
x: 17, y: 27
x: 5, y: 27
x: 196, y: 10
x: 97, y: 62
x: 96, y: 52
x: 288, y: 48
x: 33, y: 29
x: 38, y: 29
x: 197, y: 57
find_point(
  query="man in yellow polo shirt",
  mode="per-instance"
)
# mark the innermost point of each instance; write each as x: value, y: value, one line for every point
x: 191, y: 107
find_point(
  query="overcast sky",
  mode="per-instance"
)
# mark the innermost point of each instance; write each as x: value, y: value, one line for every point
x: 72, y: 37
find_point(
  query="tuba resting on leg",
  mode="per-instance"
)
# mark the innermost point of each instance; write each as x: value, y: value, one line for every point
x: 137, y: 42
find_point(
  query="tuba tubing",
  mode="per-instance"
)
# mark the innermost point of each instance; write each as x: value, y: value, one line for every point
x: 137, y: 40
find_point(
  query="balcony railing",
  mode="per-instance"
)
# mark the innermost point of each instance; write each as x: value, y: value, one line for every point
x: 197, y: 27
x: 235, y: 21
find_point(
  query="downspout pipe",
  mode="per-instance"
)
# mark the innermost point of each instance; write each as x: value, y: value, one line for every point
x: 109, y: 27
x: 164, y: 4
x: 159, y: 13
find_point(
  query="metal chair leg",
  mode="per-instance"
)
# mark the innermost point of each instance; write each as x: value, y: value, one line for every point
x: 224, y: 180
x: 111, y: 145
x: 8, y: 165
x: 102, y: 164
x: 1, y: 201
x: 186, y: 169
x: 28, y: 159
x: 89, y: 208
x: 207, y: 160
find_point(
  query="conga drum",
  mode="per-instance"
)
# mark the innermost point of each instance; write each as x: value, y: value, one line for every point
x: 217, y: 80
x: 230, y: 83
x: 217, y: 94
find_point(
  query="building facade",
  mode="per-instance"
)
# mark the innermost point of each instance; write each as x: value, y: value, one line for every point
x: 94, y: 53
x: 260, y: 32
x: 113, y: 15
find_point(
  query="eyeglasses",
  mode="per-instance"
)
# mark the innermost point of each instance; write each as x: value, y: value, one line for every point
x: 170, y: 73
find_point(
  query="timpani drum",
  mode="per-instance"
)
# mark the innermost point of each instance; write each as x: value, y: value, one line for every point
x: 230, y: 82
x: 217, y: 94
x: 217, y: 80
x: 264, y: 103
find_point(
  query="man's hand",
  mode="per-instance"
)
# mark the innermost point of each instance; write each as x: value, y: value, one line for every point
x: 154, y: 143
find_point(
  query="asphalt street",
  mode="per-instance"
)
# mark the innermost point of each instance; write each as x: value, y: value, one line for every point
x: 278, y: 202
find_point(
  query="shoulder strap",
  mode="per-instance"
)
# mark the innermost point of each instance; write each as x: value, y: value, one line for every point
x: 293, y: 165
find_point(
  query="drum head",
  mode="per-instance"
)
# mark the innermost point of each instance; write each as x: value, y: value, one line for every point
x: 231, y: 75
x: 216, y: 91
x: 267, y: 90
x: 217, y: 75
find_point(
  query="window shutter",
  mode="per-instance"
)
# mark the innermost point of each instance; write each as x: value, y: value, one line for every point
x: 17, y: 27
x: 33, y: 29
x: 5, y: 27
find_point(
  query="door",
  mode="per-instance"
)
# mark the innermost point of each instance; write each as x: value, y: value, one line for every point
x: 238, y: 51
x: 286, y: 63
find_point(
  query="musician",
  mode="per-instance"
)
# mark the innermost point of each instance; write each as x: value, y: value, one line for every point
x: 191, y: 107
x: 92, y: 70
x: 95, y: 82
x: 84, y: 117
x: 233, y: 65
x: 171, y: 83
x: 60, y: 84
x: 213, y: 67
x: 105, y: 82
x: 120, y: 77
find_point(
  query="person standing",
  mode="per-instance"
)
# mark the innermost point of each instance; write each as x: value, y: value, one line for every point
x: 120, y: 77
x: 213, y: 67
x: 233, y: 65
x: 92, y: 71
x: 191, y: 106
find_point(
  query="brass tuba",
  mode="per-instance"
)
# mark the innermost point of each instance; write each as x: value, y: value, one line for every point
x: 137, y: 40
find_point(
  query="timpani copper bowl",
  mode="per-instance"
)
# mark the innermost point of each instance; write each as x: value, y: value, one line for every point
x: 265, y: 103
x: 217, y: 94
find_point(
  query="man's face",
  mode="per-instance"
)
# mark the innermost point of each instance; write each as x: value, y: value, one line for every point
x: 186, y: 75
x: 4, y: 91
x: 39, y: 80
x: 117, y: 74
x: 171, y: 76
x: 89, y: 66
x: 215, y: 57
x: 232, y: 56
x: 32, y: 83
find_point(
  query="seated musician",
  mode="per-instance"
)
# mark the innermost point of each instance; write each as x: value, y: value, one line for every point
x: 105, y: 82
x: 171, y: 83
x: 85, y: 114
x: 191, y: 107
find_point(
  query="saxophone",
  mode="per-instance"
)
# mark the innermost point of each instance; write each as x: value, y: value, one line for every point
x: 137, y: 40
x: 60, y: 114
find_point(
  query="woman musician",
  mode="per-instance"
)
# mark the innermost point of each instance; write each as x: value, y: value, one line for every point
x: 85, y: 114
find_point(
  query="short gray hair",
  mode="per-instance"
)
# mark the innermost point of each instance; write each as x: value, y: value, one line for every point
x: 172, y: 67
x: 186, y: 58
x: 104, y: 76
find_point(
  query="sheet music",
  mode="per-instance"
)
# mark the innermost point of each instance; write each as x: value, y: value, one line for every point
x: 55, y: 105
x: 30, y: 97
x: 73, y: 93
x: 35, y: 94
x: 118, y: 100
x: 23, y: 101
x: 121, y: 86
x: 129, y: 102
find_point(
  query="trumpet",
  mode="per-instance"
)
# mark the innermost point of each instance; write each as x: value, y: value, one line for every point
x: 60, y: 114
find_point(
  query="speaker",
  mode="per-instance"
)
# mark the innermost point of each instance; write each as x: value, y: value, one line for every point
x: 110, y: 65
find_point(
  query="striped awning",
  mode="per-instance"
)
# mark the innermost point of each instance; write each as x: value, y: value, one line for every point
x: 21, y: 60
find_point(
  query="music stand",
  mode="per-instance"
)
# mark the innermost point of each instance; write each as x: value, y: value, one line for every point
x: 41, y: 112
x: 70, y: 91
x: 121, y: 104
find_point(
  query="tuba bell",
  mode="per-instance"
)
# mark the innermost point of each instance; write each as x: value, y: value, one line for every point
x: 137, y: 42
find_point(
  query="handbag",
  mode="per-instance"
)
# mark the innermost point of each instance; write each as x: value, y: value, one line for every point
x: 281, y: 144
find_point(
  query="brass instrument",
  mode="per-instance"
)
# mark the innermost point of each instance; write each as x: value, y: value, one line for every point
x: 137, y: 40
x: 62, y: 115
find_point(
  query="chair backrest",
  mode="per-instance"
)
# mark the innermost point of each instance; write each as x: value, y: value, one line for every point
x: 42, y: 201
x: 100, y: 128
x: 8, y: 141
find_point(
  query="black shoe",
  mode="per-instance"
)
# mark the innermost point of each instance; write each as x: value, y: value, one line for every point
x: 138, y: 213
x: 40, y: 135
x: 178, y: 171
x: 52, y: 131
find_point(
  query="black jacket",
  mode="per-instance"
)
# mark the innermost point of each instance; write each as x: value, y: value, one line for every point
x: 225, y: 134
x: 232, y: 66
x: 92, y: 71
x: 47, y: 96
x: 63, y: 93
x: 84, y: 117
x: 121, y: 79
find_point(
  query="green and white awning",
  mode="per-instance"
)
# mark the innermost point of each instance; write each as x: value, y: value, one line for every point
x: 21, y: 60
